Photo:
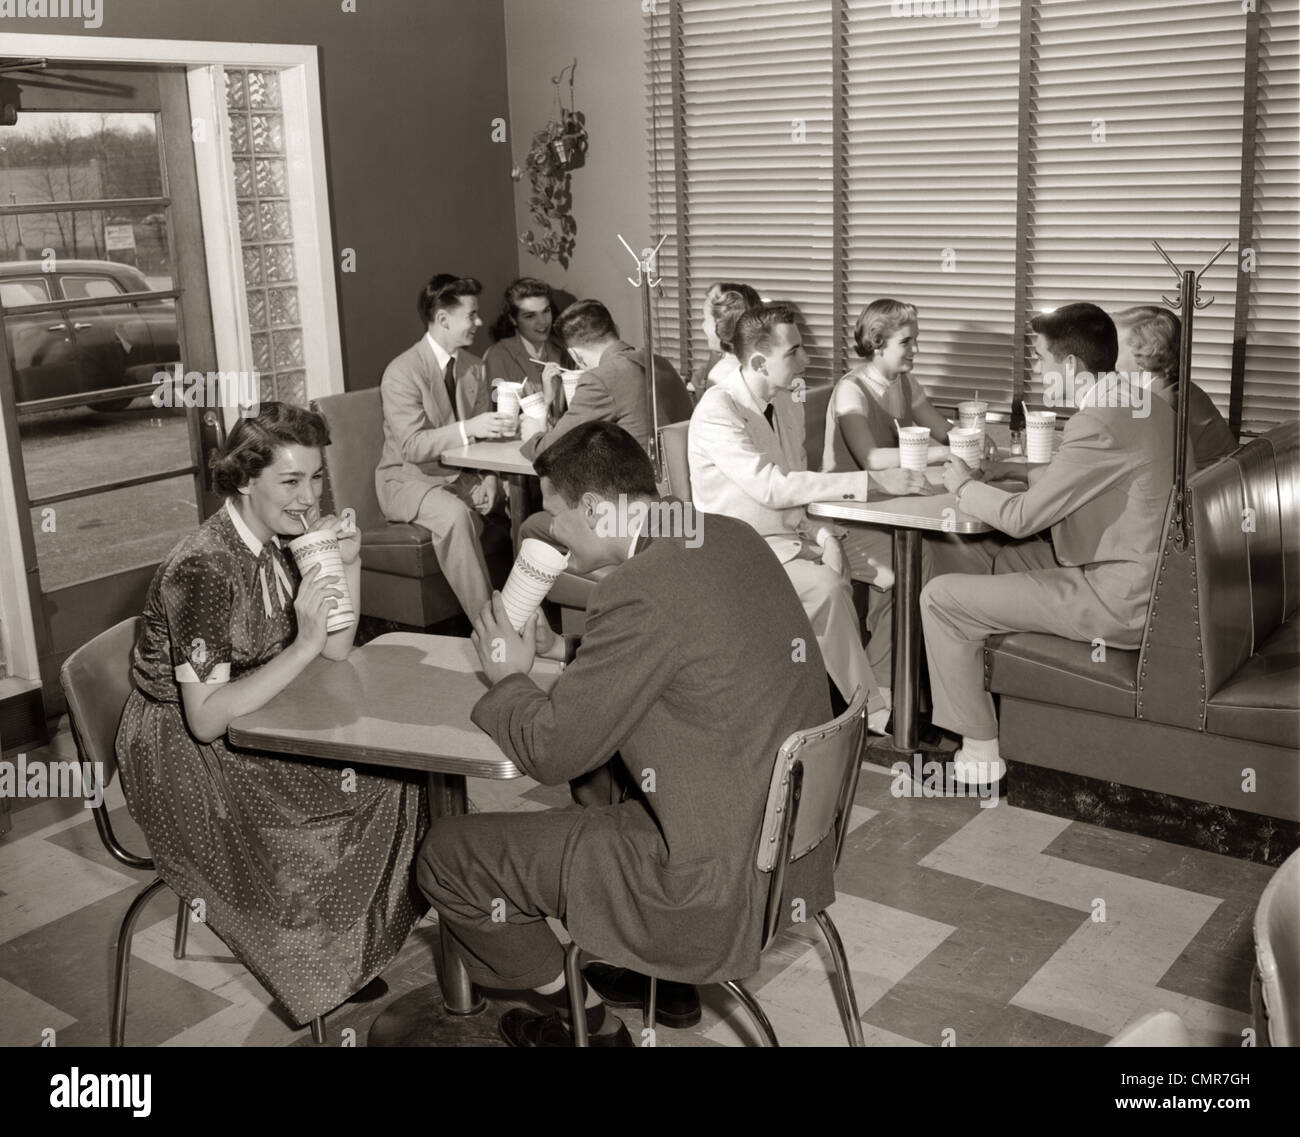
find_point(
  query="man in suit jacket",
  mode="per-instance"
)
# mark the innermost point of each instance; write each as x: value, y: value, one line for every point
x: 436, y: 398
x: 680, y: 676
x: 615, y: 384
x: 748, y: 461
x: 1103, y: 496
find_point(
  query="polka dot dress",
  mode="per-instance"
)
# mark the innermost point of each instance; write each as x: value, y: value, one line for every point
x: 304, y: 870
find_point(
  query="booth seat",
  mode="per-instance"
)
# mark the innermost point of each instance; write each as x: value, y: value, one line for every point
x: 1207, y: 710
x: 401, y: 582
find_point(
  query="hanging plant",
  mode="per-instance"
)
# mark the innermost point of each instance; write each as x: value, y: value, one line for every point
x: 557, y: 149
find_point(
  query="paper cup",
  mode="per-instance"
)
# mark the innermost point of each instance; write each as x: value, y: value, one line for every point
x: 913, y: 445
x: 1040, y: 427
x: 967, y: 443
x: 535, y: 570
x: 507, y: 396
x: 534, y: 407
x: 570, y: 381
x: 322, y: 549
x: 972, y: 413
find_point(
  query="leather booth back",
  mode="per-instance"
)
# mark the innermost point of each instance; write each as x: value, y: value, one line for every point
x: 816, y: 400
x: 1222, y: 571
x: 1285, y: 440
x: 356, y: 422
x: 1263, y: 529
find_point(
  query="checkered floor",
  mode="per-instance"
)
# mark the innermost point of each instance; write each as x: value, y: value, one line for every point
x: 963, y: 925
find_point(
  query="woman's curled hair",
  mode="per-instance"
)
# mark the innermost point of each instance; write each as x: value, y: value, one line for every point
x: 251, y: 445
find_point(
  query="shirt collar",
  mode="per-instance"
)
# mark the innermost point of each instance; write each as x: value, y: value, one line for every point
x: 439, y: 353
x: 246, y: 534
x: 637, y: 524
x: 739, y: 390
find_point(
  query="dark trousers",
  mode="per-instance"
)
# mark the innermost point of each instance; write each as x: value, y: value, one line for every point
x: 495, y: 877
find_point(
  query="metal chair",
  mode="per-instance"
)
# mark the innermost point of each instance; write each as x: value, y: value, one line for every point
x: 97, y: 681
x: 814, y: 781
x: 1276, y: 994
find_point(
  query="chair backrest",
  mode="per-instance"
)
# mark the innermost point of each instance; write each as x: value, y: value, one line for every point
x: 809, y: 797
x: 1277, y: 952
x: 356, y: 422
x: 672, y: 449
x: 97, y: 682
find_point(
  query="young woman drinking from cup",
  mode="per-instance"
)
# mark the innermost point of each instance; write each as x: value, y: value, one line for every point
x: 304, y: 869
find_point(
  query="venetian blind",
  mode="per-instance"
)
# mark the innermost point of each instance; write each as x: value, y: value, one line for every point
x: 931, y: 157
x: 1137, y: 136
x: 757, y: 148
x: 1272, y: 388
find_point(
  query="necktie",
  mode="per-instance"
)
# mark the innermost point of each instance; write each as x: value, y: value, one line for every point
x: 449, y: 379
x: 769, y: 413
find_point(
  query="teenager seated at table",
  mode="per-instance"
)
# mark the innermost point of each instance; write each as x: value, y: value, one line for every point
x: 614, y: 387
x: 1149, y: 342
x: 747, y: 460
x: 436, y: 397
x: 303, y: 868
x: 870, y: 402
x: 1103, y: 497
x: 724, y: 303
x: 523, y: 345
x: 685, y: 670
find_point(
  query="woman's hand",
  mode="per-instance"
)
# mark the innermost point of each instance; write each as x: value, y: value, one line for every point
x: 345, y: 532
x: 317, y: 597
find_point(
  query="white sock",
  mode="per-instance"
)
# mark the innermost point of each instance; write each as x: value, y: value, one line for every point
x: 555, y: 986
x: 980, y: 750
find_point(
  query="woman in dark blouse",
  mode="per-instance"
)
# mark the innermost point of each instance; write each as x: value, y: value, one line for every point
x: 303, y: 867
x: 524, y: 345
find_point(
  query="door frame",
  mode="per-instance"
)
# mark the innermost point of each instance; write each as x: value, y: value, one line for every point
x: 301, y: 97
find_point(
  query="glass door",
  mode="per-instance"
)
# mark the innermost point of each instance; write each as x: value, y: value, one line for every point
x: 103, y: 298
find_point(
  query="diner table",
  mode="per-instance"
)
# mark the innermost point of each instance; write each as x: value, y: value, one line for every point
x: 500, y: 457
x: 909, y: 517
x: 402, y: 700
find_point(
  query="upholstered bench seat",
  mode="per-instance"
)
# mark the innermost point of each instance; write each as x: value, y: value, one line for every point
x: 1259, y: 701
x: 1030, y: 665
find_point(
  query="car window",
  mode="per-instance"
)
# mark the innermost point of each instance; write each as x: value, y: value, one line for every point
x: 90, y: 287
x: 16, y: 293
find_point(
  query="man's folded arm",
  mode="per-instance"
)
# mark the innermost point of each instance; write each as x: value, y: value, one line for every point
x: 729, y: 447
x: 626, y: 661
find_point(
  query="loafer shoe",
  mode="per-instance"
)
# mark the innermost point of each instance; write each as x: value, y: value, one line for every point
x: 677, y: 1005
x: 521, y: 1027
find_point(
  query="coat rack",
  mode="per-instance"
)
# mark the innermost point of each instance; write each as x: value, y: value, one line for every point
x: 645, y: 280
x: 1189, y: 300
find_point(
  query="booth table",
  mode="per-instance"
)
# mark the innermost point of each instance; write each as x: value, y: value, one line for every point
x: 909, y: 517
x: 498, y: 458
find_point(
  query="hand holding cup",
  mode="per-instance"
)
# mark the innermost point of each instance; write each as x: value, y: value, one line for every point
x: 318, y: 597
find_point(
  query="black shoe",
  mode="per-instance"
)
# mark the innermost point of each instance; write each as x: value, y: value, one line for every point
x: 375, y: 989
x: 677, y: 1005
x: 520, y: 1027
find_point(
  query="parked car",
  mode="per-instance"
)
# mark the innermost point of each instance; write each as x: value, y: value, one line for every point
x: 95, y: 348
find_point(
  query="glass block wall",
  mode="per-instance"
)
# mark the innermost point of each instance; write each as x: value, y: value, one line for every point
x: 257, y: 135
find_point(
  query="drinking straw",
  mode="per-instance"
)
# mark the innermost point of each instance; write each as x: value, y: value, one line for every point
x: 302, y: 520
x: 898, y: 428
